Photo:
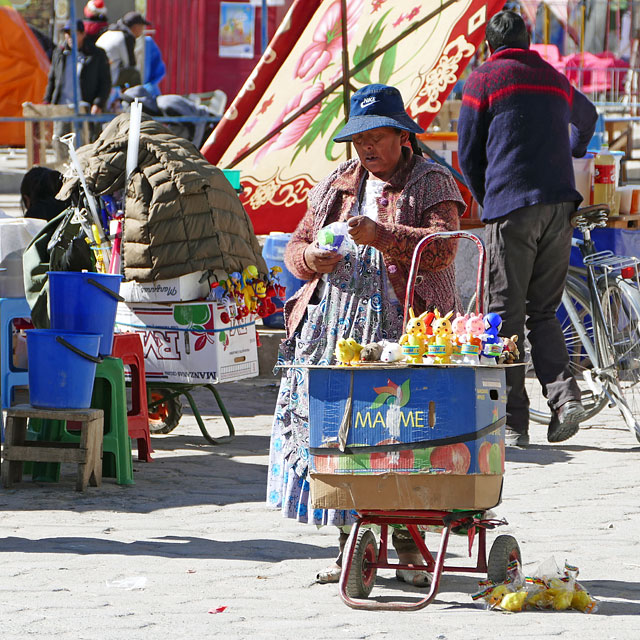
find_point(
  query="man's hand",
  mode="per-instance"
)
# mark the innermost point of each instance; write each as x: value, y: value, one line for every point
x: 362, y: 229
x: 95, y: 110
x: 321, y: 260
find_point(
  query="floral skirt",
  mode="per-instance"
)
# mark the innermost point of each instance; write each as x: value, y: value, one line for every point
x: 355, y: 304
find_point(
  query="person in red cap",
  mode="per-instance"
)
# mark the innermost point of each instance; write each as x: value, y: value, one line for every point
x: 95, y: 19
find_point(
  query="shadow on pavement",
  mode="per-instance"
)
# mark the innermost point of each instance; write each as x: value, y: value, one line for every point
x: 259, y: 550
x: 245, y: 445
x: 166, y: 483
x: 537, y: 454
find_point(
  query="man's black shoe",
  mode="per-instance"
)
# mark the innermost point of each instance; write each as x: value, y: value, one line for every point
x: 565, y: 421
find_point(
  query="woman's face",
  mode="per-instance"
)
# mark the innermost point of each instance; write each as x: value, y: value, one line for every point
x: 380, y: 150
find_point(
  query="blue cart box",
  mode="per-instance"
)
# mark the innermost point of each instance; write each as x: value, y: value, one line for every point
x: 423, y: 437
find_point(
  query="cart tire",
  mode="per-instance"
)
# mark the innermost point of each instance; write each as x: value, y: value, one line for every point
x: 166, y: 415
x: 362, y: 576
x: 503, y: 551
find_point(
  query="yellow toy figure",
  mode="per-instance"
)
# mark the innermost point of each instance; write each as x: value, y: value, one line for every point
x: 441, y: 348
x: 344, y: 353
x: 414, y: 340
x: 356, y: 348
x: 513, y: 601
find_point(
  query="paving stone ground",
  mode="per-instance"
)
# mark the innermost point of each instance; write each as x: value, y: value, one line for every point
x: 194, y: 534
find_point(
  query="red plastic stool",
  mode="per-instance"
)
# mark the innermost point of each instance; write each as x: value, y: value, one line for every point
x: 128, y: 347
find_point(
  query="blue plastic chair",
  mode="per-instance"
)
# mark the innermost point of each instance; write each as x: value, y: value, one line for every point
x: 10, y: 376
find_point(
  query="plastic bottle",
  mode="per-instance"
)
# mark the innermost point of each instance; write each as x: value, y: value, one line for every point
x: 604, y: 178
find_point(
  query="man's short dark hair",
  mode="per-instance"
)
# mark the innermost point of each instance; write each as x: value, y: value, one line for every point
x: 507, y: 29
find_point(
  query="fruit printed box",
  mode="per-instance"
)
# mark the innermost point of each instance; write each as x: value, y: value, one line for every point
x: 433, y: 436
x: 189, y: 342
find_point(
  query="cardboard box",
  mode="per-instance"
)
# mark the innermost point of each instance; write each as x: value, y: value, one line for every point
x: 189, y: 343
x: 405, y: 491
x: 182, y: 289
x: 415, y: 437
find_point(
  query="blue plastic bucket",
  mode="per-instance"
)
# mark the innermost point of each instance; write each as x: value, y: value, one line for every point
x: 62, y: 367
x: 85, y: 302
x: 273, y: 254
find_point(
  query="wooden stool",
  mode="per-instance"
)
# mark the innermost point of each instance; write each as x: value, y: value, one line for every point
x: 87, y: 453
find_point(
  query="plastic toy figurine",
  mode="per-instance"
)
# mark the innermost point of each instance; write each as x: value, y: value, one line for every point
x: 356, y: 348
x: 458, y: 328
x: 510, y: 353
x: 473, y: 341
x: 391, y: 352
x: 266, y: 306
x: 513, y: 601
x: 371, y: 352
x: 344, y: 352
x: 441, y: 348
x: 414, y: 340
x: 491, y: 342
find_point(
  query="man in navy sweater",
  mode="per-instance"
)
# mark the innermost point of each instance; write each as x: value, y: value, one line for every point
x: 520, y: 124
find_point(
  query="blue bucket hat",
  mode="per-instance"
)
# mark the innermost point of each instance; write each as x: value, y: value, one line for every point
x: 373, y: 106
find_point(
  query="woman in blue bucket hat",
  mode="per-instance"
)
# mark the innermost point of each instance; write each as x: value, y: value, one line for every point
x: 390, y: 198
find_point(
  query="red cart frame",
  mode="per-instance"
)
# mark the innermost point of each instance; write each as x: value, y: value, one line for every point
x: 362, y: 559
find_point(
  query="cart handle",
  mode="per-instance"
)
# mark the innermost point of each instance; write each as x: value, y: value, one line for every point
x: 415, y: 262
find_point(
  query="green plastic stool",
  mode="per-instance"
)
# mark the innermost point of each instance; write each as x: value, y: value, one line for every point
x: 109, y: 394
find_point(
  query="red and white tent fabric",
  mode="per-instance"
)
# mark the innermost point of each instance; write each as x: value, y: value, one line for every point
x: 279, y: 129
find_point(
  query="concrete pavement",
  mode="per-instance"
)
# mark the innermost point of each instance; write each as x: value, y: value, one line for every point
x: 194, y: 534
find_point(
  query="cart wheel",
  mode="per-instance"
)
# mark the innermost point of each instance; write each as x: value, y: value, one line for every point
x: 363, y: 574
x: 503, y: 551
x: 167, y: 413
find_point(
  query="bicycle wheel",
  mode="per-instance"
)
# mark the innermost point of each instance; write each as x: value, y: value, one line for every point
x: 582, y: 350
x: 619, y: 345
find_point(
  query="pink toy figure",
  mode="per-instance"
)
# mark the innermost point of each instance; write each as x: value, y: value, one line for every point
x: 459, y: 329
x: 473, y: 341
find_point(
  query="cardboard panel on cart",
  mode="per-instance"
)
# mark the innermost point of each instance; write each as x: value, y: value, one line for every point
x: 451, y: 418
x: 188, y: 342
x: 404, y: 491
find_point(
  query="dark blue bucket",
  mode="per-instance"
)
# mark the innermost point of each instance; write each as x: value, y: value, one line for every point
x: 273, y: 254
x: 62, y: 367
x: 85, y: 302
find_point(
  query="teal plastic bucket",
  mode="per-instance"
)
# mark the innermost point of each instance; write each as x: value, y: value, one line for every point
x: 85, y: 302
x: 62, y: 367
x: 273, y: 254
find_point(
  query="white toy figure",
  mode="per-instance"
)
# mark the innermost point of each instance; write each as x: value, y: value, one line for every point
x: 391, y: 352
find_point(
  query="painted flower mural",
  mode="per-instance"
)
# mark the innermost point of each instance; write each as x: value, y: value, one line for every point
x: 294, y: 131
x: 327, y: 39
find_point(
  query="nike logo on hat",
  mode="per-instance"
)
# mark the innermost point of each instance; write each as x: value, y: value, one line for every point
x: 367, y: 101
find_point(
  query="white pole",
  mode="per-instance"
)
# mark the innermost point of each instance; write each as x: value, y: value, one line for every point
x: 135, y: 116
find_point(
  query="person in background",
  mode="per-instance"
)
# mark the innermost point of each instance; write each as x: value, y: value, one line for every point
x: 38, y: 191
x: 154, y: 67
x: 520, y: 124
x: 94, y: 79
x: 391, y: 199
x: 95, y: 19
x: 119, y: 41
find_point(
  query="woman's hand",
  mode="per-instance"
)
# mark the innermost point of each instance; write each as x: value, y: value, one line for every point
x: 362, y: 229
x: 321, y: 260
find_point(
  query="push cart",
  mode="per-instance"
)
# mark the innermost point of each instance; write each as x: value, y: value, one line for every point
x: 362, y: 558
x: 187, y: 345
x: 165, y: 409
x: 420, y: 446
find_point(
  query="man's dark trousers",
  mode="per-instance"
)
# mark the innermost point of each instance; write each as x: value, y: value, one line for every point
x: 528, y: 252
